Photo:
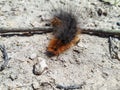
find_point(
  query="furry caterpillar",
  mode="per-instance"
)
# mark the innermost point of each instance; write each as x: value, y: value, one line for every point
x: 65, y: 34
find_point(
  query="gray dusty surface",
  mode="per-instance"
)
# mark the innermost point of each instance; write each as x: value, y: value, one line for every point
x: 88, y: 63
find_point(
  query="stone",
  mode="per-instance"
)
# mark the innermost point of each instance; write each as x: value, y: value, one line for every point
x: 33, y: 56
x: 40, y: 66
x: 35, y: 85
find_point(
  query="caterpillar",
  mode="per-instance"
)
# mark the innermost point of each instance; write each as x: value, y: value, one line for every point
x: 65, y: 32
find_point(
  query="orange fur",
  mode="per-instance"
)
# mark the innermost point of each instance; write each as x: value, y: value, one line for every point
x: 56, y: 22
x: 56, y: 47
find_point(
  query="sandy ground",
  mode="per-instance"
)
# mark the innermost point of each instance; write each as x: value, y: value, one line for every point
x: 87, y: 64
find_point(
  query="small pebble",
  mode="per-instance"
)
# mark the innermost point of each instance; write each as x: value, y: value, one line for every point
x: 118, y: 23
x: 40, y: 66
x: 77, y: 51
x: 99, y: 12
x: 105, y: 13
x: 33, y: 56
x: 13, y: 77
x: 79, y: 45
x: 35, y: 85
x: 47, y: 24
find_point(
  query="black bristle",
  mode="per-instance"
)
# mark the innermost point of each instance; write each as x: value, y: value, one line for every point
x: 68, y: 29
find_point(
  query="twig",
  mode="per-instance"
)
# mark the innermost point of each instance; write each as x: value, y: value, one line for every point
x: 100, y: 32
x: 110, y: 46
x: 12, y: 30
x: 5, y: 57
x: 24, y: 31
